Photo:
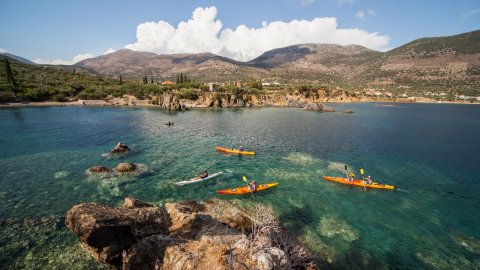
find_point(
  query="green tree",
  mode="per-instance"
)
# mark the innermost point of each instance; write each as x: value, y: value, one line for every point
x: 8, y: 69
x: 181, y: 77
x: 151, y: 80
x: 145, y: 79
x: 178, y: 79
x: 121, y: 80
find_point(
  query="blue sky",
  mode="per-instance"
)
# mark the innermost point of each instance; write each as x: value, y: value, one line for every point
x: 51, y: 30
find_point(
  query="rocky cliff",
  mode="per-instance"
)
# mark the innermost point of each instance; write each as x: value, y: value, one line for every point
x: 188, y: 235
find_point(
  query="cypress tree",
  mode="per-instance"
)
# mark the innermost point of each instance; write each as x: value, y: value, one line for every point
x: 151, y: 80
x: 121, y: 80
x: 178, y: 80
x: 181, y: 77
x: 185, y: 78
x: 8, y: 69
x: 145, y: 79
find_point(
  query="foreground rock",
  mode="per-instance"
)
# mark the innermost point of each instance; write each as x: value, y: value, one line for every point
x: 187, y: 235
x: 126, y: 167
x: 120, y: 148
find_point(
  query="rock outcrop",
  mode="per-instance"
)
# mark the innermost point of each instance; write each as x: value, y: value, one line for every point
x: 120, y: 148
x: 126, y: 167
x: 187, y: 235
x: 99, y: 169
x: 168, y: 101
x: 319, y: 107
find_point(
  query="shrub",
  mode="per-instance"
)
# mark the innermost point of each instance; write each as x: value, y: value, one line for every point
x: 59, y: 97
x: 189, y: 94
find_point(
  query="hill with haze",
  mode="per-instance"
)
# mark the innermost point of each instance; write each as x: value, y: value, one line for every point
x: 428, y: 63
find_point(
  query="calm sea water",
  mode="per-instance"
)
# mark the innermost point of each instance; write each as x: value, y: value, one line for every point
x: 431, y: 152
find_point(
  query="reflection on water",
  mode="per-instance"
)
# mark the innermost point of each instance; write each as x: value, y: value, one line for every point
x: 429, y: 151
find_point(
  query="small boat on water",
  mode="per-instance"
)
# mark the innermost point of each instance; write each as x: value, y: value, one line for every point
x: 246, y: 190
x: 198, y: 179
x: 234, y: 151
x: 358, y: 183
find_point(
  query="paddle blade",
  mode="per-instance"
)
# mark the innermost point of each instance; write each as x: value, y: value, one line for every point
x: 346, y: 167
x: 244, y: 178
x: 361, y: 171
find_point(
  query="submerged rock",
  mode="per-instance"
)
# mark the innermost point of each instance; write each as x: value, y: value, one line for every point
x: 126, y: 167
x: 348, y: 111
x: 120, y: 148
x: 99, y: 169
x: 331, y: 226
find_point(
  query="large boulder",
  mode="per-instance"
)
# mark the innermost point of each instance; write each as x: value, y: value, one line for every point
x: 120, y: 148
x: 106, y: 232
x: 99, y: 169
x: 126, y: 167
x: 318, y: 107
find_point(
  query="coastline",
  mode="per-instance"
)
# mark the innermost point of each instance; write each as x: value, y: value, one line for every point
x: 191, y: 105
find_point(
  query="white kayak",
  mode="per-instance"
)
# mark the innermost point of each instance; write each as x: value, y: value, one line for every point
x: 198, y: 179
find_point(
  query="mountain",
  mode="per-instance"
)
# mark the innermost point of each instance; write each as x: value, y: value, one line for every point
x: 206, y: 66
x: 428, y: 63
x: 18, y: 58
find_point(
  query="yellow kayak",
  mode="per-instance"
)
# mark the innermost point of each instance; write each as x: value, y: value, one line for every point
x: 358, y: 183
x: 234, y: 151
x: 245, y: 189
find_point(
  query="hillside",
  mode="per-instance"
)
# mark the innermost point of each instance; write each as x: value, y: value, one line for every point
x: 444, y: 63
x: 427, y: 64
x: 203, y: 66
x: 18, y: 58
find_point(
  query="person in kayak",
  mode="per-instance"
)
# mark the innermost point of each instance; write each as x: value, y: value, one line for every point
x: 351, y: 177
x: 204, y: 174
x: 253, y: 185
x: 368, y: 180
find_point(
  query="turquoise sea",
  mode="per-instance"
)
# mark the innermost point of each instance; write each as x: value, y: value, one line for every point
x: 431, y: 152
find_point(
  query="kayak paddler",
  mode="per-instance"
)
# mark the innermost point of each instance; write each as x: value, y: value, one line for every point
x: 253, y: 185
x: 351, y: 177
x: 204, y: 174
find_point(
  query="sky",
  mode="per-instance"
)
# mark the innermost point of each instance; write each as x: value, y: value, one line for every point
x: 65, y: 32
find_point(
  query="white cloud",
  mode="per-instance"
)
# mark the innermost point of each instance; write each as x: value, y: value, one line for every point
x: 343, y: 2
x: 75, y: 59
x: 110, y: 50
x: 3, y: 50
x: 360, y: 15
x: 203, y: 33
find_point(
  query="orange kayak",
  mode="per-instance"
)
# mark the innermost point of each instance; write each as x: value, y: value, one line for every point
x: 245, y: 190
x: 234, y: 151
x: 358, y: 183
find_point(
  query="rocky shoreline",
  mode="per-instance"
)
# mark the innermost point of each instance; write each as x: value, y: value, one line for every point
x: 168, y: 101
x: 215, y: 234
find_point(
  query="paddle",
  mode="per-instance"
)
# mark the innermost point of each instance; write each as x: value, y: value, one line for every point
x: 245, y: 179
x: 363, y: 179
x: 346, y: 170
